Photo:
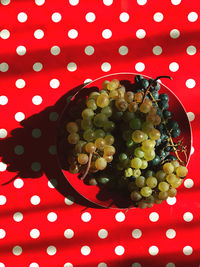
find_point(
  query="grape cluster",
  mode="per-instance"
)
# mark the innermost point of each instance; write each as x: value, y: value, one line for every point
x: 122, y: 139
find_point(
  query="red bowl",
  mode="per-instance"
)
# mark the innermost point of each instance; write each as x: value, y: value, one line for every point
x: 92, y: 193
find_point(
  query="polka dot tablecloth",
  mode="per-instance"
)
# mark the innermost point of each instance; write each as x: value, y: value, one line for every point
x: 48, y: 48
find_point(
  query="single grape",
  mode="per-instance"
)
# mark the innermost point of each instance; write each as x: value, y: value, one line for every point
x: 121, y: 91
x: 147, y: 127
x: 121, y: 105
x: 145, y: 107
x: 138, y: 152
x: 109, y: 139
x: 155, y: 94
x: 163, y: 186
x: 109, y: 150
x: 157, y: 120
x: 149, y: 173
x: 130, y: 143
x: 167, y: 114
x: 138, y: 78
x: 138, y: 97
x: 72, y: 127
x: 181, y: 171
x: 108, y: 158
x: 144, y: 83
x: 103, y: 180
x: 107, y: 111
x: 113, y: 85
x: 172, y: 192
x: 100, y: 163
x: 128, y: 116
x: 79, y: 147
x: 157, y: 200
x: 144, y: 164
x: 91, y: 104
x: 163, y: 195
x: 74, y: 169
x: 168, y: 168
x: 105, y: 84
x: 136, y: 173
x: 92, y: 181
x: 150, y: 200
x: 88, y: 135
x: 133, y: 106
x: 151, y: 182
x: 135, y: 124
x: 149, y: 155
x: 175, y: 163
x: 122, y: 157
x: 171, y: 178
x: 100, y: 143
x: 153, y: 111
x: 146, y: 191
x: 87, y: 113
x: 140, y: 181
x: 114, y: 94
x: 154, y: 134
x: 138, y: 136
x: 93, y: 95
x: 164, y: 97
x: 161, y: 175
x: 128, y: 172
x: 109, y: 126
x: 99, y: 133
x: 136, y: 163
x: 128, y: 96
x: 100, y: 119
x: 83, y: 158
x: 156, y: 160
x: 102, y: 101
x: 177, y: 183
x: 86, y: 124
x: 136, y: 196
x: 176, y: 132
x: 73, y: 138
x: 142, y: 205
x: 148, y: 145
x: 90, y: 147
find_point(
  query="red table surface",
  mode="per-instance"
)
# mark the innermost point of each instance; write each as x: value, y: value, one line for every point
x: 49, y: 225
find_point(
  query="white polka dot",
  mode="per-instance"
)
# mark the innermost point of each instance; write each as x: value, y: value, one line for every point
x: 51, y: 250
x: 69, y: 200
x: 188, y: 216
x: 153, y: 217
x: 72, y: 66
x: 158, y: 17
x: 19, y: 116
x: 39, y: 34
x: 136, y: 233
x: 18, y: 183
x: 36, y: 133
x: 35, y: 166
x: 123, y: 50
x: 5, y: 3
x: 34, y: 233
x: 173, y: 66
x: 17, y: 250
x: 188, y: 183
x: 39, y: 2
x: 20, y: 83
x: 22, y: 17
x: 19, y: 150
x: 3, y: 133
x: 191, y: 50
x: 54, y: 83
x: 192, y: 148
x: 56, y: 17
x: 124, y: 17
x: 18, y: 217
x: 53, y: 116
x: 3, y: 166
x: 192, y: 16
x: 106, y: 67
x: 176, y: 2
x: 153, y: 250
x: 37, y: 100
x: 103, y: 233
x: 3, y: 100
x: 55, y: 50
x: 2, y: 264
x: 52, y: 183
x: 107, y: 2
x: 69, y: 233
x: 136, y: 264
x: 85, y: 250
x: 73, y: 2
x: 52, y: 150
x: 139, y: 66
x: 68, y: 264
x: 4, y: 67
x: 106, y: 33
x: 5, y: 34
x: 171, y: 200
x: 120, y: 216
x: 2, y: 234
x: 33, y: 264
x: 191, y: 116
x: 35, y: 200
x: 190, y: 83
x: 86, y: 217
x: 90, y: 17
x: 72, y: 34
x: 141, y: 2
x: 119, y: 250
x: 157, y: 50
x: 140, y: 33
x: 170, y: 264
x: 52, y: 217
x: 88, y: 80
x: 102, y: 264
x: 174, y: 33
x: 170, y: 233
x: 89, y: 50
x: 2, y: 200
x: 187, y: 250
x: 37, y: 66
x: 21, y: 50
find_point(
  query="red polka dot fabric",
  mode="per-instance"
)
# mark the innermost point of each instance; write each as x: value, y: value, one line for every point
x: 49, y: 48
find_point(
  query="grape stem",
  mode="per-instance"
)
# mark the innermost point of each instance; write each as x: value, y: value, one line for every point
x: 88, y: 166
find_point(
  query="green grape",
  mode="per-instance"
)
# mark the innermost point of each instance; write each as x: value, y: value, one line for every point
x: 157, y: 200
x: 102, y: 101
x: 100, y: 119
x: 151, y: 182
x: 168, y: 168
x: 86, y: 124
x: 149, y: 173
x: 128, y: 116
x: 161, y: 175
x: 92, y: 181
x: 79, y: 147
x: 181, y: 171
x: 128, y: 172
x: 90, y: 147
x: 87, y: 113
x: 74, y: 169
x: 100, y: 163
x: 103, y: 180
x: 148, y: 145
x: 99, y: 133
x: 109, y: 150
x: 108, y: 158
x: 142, y: 205
x: 121, y: 91
x: 91, y: 104
x: 73, y: 138
x: 109, y: 126
x: 150, y: 155
x: 136, y: 163
x: 145, y: 107
x: 136, y: 173
x: 113, y: 85
x: 136, y: 196
x: 138, y: 152
x: 88, y: 135
x: 105, y: 84
x: 175, y: 163
x: 150, y: 199
x: 107, y: 111
x: 72, y: 127
x: 146, y: 191
x: 163, y: 186
x: 127, y: 135
x: 138, y: 136
x: 133, y: 106
x: 104, y: 92
x: 93, y: 95
x: 145, y: 136
x: 135, y: 124
x: 130, y: 143
x: 144, y: 165
x: 177, y: 183
x: 172, y: 192
x: 129, y: 96
x: 154, y: 134
x: 114, y: 94
x: 140, y: 181
x: 139, y: 97
x: 121, y: 105
x: 109, y: 139
x: 122, y: 157
x: 147, y: 127
x: 171, y: 178
x: 100, y: 143
x: 163, y: 195
x: 83, y: 158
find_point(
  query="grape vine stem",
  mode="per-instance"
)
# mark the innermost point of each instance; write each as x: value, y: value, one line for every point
x: 88, y: 166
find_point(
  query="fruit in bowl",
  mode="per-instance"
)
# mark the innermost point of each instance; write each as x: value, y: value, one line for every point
x: 123, y: 138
